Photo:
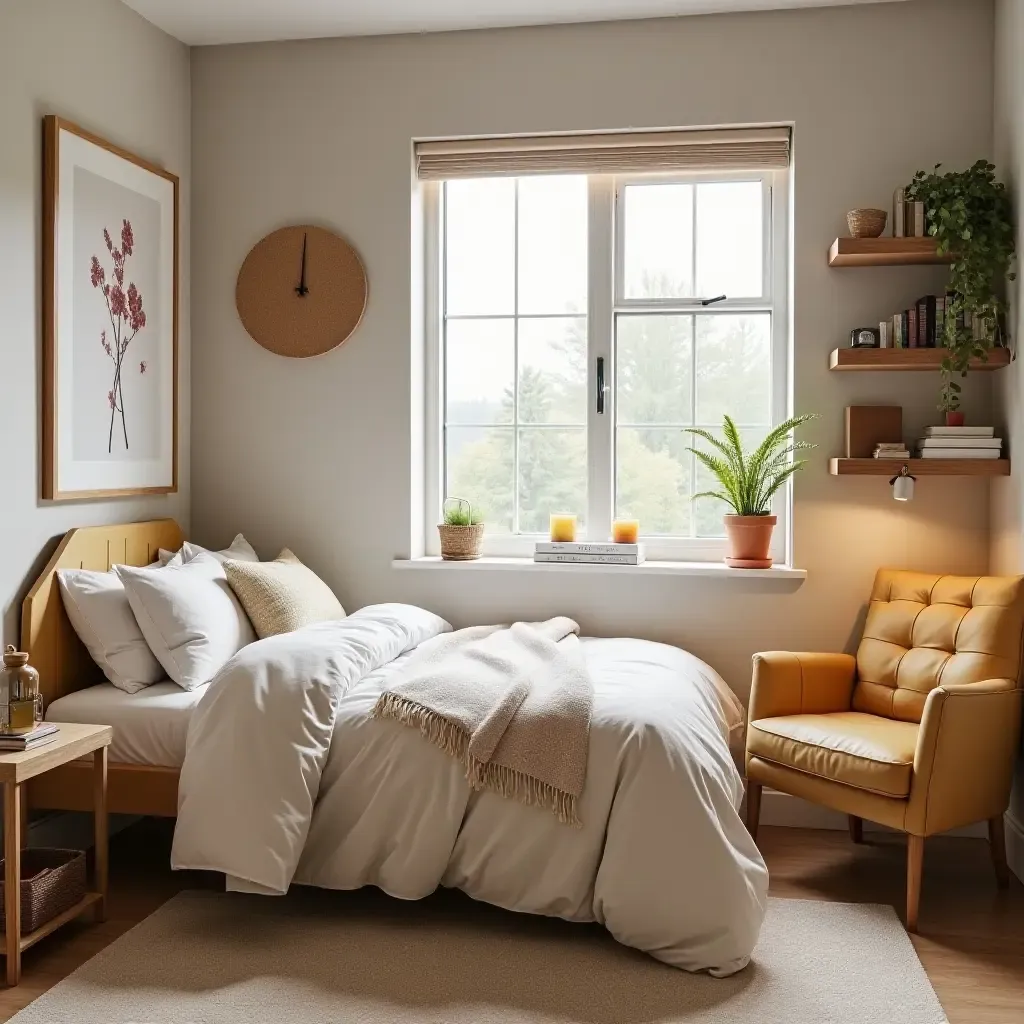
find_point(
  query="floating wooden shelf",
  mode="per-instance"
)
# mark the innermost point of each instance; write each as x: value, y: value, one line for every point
x: 884, y: 252
x: 906, y: 359
x: 919, y: 467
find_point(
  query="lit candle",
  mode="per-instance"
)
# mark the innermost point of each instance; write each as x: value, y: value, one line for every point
x: 563, y: 527
x: 625, y: 531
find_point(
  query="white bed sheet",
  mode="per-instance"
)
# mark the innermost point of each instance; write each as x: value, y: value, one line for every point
x: 150, y: 727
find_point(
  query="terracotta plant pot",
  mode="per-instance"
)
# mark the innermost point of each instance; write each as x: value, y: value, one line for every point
x: 954, y: 418
x: 750, y: 540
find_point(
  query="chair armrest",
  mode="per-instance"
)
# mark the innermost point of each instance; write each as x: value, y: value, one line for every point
x: 801, y: 684
x: 966, y: 750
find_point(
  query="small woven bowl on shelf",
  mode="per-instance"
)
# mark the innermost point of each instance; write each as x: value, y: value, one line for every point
x: 866, y: 223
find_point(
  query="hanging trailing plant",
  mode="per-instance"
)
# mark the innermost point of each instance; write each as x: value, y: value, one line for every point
x: 970, y: 216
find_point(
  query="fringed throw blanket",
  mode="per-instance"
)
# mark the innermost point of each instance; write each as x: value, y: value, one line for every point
x: 512, y: 703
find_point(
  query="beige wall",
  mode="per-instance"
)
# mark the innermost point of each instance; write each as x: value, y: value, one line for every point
x: 316, y: 455
x: 99, y: 64
x: 1008, y: 496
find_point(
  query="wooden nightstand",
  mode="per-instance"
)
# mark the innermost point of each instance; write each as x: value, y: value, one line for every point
x: 72, y: 742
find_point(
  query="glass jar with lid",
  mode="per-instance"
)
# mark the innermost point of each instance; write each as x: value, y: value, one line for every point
x: 21, y: 703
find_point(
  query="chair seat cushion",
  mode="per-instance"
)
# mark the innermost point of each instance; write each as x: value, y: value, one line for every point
x: 858, y: 750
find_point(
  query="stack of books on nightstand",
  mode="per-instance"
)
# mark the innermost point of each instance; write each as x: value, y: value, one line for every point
x: 603, y: 554
x: 891, y: 450
x: 959, y: 443
x: 44, y: 732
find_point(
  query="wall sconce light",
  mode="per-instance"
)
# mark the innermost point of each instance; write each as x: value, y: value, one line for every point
x: 903, y: 485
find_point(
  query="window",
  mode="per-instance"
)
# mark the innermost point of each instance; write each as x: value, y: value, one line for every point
x: 672, y: 284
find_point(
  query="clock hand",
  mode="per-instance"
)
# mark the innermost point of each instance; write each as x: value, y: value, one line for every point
x: 302, y: 290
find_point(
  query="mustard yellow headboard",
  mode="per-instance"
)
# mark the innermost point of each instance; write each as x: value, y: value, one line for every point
x: 53, y: 646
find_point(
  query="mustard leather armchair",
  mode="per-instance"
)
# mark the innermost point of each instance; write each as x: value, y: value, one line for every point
x: 919, y: 731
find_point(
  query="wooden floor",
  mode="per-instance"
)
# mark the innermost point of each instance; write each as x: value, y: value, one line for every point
x: 971, y: 937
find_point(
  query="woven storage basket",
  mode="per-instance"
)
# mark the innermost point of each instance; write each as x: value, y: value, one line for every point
x: 866, y: 223
x: 52, y: 882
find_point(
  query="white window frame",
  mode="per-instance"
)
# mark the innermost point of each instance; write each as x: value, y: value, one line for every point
x: 604, y: 302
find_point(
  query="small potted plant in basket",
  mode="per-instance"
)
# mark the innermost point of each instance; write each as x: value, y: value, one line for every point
x: 462, y: 531
x: 748, y: 481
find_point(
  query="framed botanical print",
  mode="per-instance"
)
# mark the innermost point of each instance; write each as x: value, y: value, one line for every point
x: 110, y: 319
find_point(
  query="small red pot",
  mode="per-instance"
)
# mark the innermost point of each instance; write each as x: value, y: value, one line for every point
x: 954, y: 418
x: 750, y: 540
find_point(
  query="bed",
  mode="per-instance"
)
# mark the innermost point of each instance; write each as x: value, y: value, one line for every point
x: 279, y: 772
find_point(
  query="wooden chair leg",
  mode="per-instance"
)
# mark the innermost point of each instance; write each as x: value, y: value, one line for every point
x: 753, y: 807
x: 856, y: 828
x: 915, y: 861
x: 997, y: 841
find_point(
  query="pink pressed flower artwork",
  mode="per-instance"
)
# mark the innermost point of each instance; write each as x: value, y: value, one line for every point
x: 127, y: 318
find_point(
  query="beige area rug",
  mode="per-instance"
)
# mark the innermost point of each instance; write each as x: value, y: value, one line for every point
x: 213, y: 958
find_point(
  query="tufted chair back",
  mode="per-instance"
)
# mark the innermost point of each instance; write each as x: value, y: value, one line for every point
x: 923, y: 630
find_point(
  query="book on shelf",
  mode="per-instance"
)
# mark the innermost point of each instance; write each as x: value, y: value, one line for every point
x: 915, y: 219
x: 43, y: 733
x: 899, y: 452
x: 912, y: 334
x: 556, y: 547
x: 943, y: 431
x: 960, y: 442
x: 958, y: 453
x: 884, y: 330
x: 588, y: 559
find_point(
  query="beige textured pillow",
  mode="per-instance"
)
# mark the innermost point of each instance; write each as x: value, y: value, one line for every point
x: 282, y: 595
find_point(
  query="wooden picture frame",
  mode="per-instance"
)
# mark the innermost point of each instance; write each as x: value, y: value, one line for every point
x: 110, y: 219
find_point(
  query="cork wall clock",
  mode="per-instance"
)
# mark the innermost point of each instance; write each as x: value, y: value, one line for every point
x: 301, y: 291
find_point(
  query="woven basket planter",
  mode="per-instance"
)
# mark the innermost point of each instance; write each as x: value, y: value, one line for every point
x: 52, y: 881
x: 461, y: 543
x: 866, y: 223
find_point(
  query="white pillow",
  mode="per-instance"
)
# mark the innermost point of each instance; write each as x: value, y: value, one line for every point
x: 189, y: 616
x: 97, y: 606
x: 239, y: 550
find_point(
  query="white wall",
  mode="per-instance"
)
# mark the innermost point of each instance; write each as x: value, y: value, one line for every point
x: 316, y: 454
x: 104, y: 67
x: 1008, y: 496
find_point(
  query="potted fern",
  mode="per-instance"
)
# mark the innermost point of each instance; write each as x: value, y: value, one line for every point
x: 462, y: 532
x: 748, y: 481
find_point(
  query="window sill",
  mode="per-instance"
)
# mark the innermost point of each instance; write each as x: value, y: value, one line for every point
x: 714, y: 570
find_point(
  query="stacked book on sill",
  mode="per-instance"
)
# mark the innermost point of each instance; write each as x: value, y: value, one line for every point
x: 598, y: 554
x: 44, y: 732
x: 959, y: 443
x: 923, y: 325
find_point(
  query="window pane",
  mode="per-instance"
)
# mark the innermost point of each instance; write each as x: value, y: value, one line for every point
x: 480, y: 246
x: 653, y: 368
x: 479, y: 371
x: 553, y: 370
x: 707, y: 512
x: 479, y: 464
x: 730, y: 230
x: 653, y: 479
x: 734, y: 368
x: 658, y: 241
x: 553, y: 244
x: 552, y: 476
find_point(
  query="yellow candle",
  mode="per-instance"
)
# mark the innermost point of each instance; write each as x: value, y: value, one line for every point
x: 625, y: 531
x: 563, y: 527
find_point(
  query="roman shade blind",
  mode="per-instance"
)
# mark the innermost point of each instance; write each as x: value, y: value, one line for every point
x: 739, y: 149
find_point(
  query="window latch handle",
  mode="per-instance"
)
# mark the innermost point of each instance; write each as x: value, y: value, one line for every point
x: 602, y: 388
x: 717, y: 298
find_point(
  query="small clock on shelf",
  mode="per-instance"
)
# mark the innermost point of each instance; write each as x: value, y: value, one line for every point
x: 865, y: 337
x: 301, y: 291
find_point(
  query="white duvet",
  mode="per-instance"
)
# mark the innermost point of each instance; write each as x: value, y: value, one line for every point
x: 288, y: 778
